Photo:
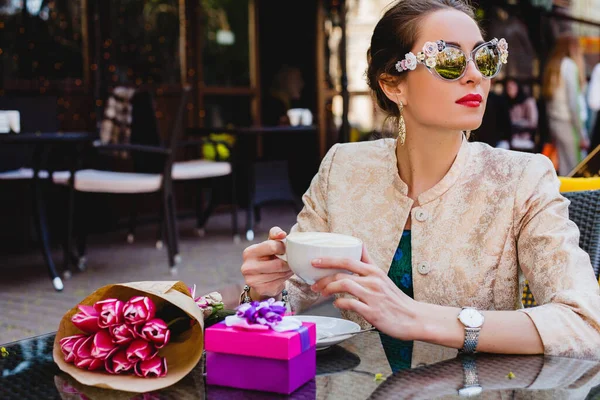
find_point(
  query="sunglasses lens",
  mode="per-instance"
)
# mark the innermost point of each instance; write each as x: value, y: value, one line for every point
x: 487, y: 60
x: 450, y: 63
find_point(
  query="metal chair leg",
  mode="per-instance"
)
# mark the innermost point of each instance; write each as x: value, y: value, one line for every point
x: 82, y: 232
x: 68, y: 240
x: 200, y: 216
x: 174, y: 229
x: 160, y: 232
x: 41, y: 223
x: 234, y: 212
x: 168, y: 233
x: 133, y: 213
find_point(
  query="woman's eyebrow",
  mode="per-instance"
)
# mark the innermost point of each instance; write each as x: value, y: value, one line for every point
x: 458, y: 44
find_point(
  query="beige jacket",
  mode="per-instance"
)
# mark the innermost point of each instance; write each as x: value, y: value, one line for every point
x: 496, y: 219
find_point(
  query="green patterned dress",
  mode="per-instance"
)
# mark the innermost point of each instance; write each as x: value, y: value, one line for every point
x: 399, y: 352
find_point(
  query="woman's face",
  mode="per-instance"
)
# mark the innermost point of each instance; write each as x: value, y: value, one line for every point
x: 512, y: 89
x: 433, y: 102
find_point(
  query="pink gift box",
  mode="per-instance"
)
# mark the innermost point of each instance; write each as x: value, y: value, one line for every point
x: 269, y: 361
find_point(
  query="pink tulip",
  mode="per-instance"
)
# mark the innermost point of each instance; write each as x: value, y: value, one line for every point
x: 69, y: 345
x: 83, y: 355
x: 122, y: 334
x: 91, y: 364
x: 102, y: 345
x: 138, y: 310
x: 157, y: 332
x: 111, y: 312
x: 155, y: 367
x: 87, y: 319
x: 118, y: 363
x: 140, y: 349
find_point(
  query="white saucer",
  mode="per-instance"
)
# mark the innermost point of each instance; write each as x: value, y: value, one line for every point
x: 327, y: 326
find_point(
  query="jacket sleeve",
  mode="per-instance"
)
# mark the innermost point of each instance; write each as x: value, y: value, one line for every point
x: 312, y: 218
x: 559, y: 272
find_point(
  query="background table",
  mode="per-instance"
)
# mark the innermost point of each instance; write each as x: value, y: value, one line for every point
x: 42, y: 144
x: 346, y: 371
x: 273, y: 184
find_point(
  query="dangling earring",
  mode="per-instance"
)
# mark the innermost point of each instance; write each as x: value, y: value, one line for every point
x: 401, y: 126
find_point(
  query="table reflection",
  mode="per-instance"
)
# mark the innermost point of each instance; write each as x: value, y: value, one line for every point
x: 344, y: 371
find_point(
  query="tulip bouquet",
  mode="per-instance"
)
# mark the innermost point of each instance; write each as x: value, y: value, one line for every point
x: 119, y: 338
x: 123, y: 334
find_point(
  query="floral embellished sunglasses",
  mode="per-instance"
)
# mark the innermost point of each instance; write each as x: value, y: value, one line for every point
x: 449, y: 62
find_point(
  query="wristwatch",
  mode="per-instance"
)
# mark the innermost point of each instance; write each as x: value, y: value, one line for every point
x: 472, y: 320
x: 471, y: 386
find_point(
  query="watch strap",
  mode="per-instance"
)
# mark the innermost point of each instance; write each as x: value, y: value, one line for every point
x: 471, y: 340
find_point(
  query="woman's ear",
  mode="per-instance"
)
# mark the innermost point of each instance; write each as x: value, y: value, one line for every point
x: 393, y: 89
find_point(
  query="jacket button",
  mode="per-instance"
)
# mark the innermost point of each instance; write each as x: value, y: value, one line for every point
x: 423, y: 268
x: 421, y: 215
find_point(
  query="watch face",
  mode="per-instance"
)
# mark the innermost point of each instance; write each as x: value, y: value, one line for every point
x: 471, y: 318
x: 470, y: 391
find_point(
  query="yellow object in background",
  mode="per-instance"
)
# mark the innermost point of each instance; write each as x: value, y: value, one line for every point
x: 208, y: 150
x: 568, y: 184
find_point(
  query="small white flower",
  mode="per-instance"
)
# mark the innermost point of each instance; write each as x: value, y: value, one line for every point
x: 502, y: 45
x: 504, y: 57
x: 430, y: 62
x: 420, y: 56
x: 399, y: 67
x: 430, y: 49
x: 411, y: 61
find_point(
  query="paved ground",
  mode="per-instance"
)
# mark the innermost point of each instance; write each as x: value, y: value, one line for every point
x: 30, y: 306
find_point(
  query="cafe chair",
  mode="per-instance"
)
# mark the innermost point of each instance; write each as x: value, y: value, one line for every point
x: 584, y: 210
x: 211, y: 175
x: 136, y: 183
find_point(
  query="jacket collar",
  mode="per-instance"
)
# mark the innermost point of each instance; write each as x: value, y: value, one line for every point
x: 455, y: 172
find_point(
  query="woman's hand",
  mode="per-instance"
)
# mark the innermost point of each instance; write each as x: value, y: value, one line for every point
x: 263, y: 271
x: 378, y: 299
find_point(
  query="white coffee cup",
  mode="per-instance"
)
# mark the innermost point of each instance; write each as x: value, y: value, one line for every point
x: 295, y: 116
x: 307, y: 117
x: 303, y: 247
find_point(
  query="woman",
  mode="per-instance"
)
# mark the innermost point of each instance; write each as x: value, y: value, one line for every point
x: 472, y: 222
x: 523, y: 116
x: 563, y: 80
x: 593, y: 98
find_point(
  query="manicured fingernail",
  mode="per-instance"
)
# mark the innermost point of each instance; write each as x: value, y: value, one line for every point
x: 313, y: 288
x: 316, y: 262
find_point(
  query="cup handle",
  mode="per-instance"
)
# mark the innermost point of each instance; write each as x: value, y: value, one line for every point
x: 282, y: 256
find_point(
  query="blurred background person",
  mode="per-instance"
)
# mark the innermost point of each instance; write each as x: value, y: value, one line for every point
x: 593, y: 97
x: 563, y: 80
x: 523, y: 115
x: 286, y: 89
x: 495, y: 128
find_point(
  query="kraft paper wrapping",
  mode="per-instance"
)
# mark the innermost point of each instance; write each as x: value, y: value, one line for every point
x: 182, y: 353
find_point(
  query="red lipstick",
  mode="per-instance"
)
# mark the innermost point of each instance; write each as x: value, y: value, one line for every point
x: 470, y: 100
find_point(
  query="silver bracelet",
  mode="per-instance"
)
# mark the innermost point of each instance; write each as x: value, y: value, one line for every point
x: 245, y: 298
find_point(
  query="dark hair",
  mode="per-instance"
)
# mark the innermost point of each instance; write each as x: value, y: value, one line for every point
x: 394, y: 36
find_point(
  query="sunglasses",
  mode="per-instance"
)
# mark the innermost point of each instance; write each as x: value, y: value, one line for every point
x: 449, y: 62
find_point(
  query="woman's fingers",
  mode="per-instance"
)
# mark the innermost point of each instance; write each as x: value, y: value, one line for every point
x: 366, y: 258
x: 344, y: 303
x: 347, y: 285
x: 256, y: 267
x: 276, y: 233
x: 264, y: 249
x: 356, y: 267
